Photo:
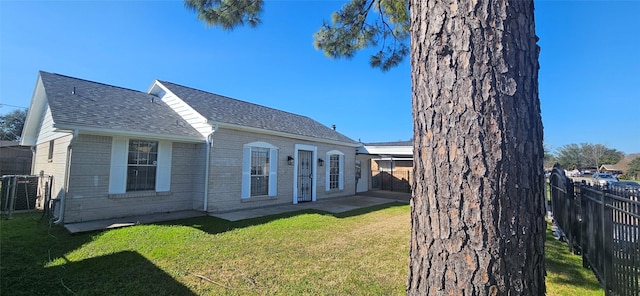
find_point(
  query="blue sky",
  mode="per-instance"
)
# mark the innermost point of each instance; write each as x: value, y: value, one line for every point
x: 589, y: 80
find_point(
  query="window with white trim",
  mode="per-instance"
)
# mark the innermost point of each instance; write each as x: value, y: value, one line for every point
x: 142, y: 165
x: 259, y: 170
x: 335, y: 170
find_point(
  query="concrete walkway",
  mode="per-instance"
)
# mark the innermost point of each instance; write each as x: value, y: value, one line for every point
x: 87, y: 226
x: 333, y: 205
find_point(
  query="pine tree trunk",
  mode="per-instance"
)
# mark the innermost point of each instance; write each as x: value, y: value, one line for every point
x: 478, y: 210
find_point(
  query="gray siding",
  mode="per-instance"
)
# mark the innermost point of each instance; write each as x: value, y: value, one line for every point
x: 46, y: 132
x: 187, y: 113
x: 54, y: 166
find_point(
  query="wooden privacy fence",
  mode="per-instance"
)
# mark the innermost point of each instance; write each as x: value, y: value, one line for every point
x: 603, y: 226
x: 392, y: 180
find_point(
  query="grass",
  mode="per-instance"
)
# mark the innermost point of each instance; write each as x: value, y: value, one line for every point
x: 565, y: 274
x: 362, y: 252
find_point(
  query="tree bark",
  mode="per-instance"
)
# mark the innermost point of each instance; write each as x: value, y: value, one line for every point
x: 478, y: 207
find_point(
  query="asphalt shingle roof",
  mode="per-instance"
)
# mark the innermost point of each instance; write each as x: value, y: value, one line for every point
x: 227, y: 110
x: 83, y: 103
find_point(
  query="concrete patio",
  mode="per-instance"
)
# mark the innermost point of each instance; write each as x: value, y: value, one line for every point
x: 333, y: 205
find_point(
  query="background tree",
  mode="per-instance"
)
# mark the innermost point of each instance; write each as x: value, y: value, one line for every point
x: 593, y: 153
x: 11, y: 125
x: 598, y: 154
x: 549, y: 158
x: 477, y: 207
x: 572, y: 156
x: 611, y: 156
x: 634, y: 169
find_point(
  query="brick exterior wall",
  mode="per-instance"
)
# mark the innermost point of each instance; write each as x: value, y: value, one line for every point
x: 88, y: 197
x: 226, y: 170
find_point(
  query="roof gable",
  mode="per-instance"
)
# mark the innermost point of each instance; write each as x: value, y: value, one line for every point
x: 221, y: 109
x: 87, y: 105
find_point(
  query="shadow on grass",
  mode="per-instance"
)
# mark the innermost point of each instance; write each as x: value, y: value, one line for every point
x: 560, y: 261
x: 122, y: 273
x: 27, y: 245
x: 213, y: 225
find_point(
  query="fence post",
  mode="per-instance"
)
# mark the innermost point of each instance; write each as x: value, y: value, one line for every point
x: 572, y: 217
x: 12, y: 198
x: 583, y: 226
x: 607, y: 242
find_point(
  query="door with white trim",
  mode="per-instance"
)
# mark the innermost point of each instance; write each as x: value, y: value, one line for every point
x: 305, y: 175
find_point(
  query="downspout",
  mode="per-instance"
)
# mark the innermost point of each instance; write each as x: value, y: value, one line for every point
x: 67, y: 170
x: 33, y: 159
x: 209, y: 144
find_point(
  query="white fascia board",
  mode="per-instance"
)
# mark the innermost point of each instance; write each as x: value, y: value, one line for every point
x: 156, y: 89
x: 362, y: 150
x: 35, y: 113
x: 141, y: 135
x: 390, y: 150
x: 393, y: 158
x: 283, y: 134
x: 199, y: 123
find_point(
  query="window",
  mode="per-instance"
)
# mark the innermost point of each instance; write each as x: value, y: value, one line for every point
x: 141, y: 165
x: 259, y: 170
x: 335, y: 170
x: 138, y: 165
x: 51, y: 145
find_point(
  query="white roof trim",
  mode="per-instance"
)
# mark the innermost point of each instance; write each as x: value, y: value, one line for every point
x: 111, y: 132
x: 284, y: 135
x: 387, y: 150
x: 393, y: 158
x: 36, y: 110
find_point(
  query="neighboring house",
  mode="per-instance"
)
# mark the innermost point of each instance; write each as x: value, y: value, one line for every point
x: 117, y: 152
x: 391, y: 165
x: 622, y: 167
x: 612, y: 169
x: 14, y: 159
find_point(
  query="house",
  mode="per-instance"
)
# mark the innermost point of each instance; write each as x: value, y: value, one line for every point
x: 116, y: 152
x: 391, y: 165
x: 611, y: 169
x: 14, y: 159
x: 622, y: 167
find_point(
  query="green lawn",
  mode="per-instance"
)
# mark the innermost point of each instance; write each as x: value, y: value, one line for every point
x: 304, y: 253
x: 565, y: 274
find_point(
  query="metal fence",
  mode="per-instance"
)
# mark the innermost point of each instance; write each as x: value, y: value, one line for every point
x: 602, y: 225
x: 24, y: 192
